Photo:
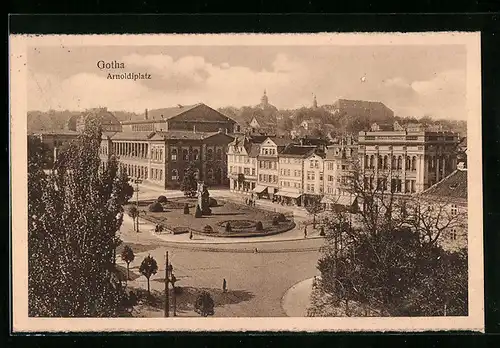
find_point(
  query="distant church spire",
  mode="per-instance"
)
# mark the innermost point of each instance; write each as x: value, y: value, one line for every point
x: 315, y: 102
x: 264, y: 100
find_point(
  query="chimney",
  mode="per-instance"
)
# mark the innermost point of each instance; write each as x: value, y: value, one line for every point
x: 146, y: 114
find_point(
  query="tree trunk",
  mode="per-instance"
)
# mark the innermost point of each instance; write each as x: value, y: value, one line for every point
x: 347, y: 307
x: 128, y: 276
x: 149, y: 293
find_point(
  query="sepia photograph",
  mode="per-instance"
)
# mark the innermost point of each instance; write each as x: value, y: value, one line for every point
x: 319, y: 182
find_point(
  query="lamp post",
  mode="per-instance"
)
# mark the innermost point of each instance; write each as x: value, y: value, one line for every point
x: 137, y: 181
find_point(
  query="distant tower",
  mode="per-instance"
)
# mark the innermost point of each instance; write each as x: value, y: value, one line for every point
x: 315, y: 102
x: 264, y: 101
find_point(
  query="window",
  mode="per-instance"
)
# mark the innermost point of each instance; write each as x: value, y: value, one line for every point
x: 230, y: 169
x: 175, y: 174
x: 414, y: 163
x: 185, y: 155
x: 320, y: 177
x: 253, y: 171
x: 330, y: 166
x: 173, y: 155
x: 246, y: 171
x: 210, y: 154
x: 454, y: 234
x: 385, y: 162
x: 219, y: 154
x: 454, y: 209
x: 210, y: 174
x: 195, y: 154
x: 330, y: 177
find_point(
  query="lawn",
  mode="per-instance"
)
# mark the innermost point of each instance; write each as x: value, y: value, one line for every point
x: 243, y: 219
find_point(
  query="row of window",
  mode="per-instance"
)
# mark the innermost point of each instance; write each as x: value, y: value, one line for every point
x: 296, y: 185
x: 268, y: 151
x: 288, y: 172
x: 268, y: 165
x: 240, y: 159
x: 287, y: 160
x: 241, y: 170
x: 268, y: 178
x: 396, y: 185
x: 396, y: 163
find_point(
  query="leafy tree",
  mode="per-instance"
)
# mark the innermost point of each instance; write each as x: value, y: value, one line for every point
x: 314, y: 207
x: 148, y: 267
x: 204, y: 304
x: 161, y: 199
x: 133, y: 212
x: 388, y: 255
x: 128, y: 256
x: 258, y: 226
x: 74, y: 215
x: 189, y: 183
x: 228, y: 227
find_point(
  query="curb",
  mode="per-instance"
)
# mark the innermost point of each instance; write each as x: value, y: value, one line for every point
x: 282, y: 302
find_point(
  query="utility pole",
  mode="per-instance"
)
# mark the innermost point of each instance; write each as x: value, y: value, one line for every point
x: 167, y: 304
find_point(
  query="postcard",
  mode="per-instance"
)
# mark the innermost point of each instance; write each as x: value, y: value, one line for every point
x: 246, y: 182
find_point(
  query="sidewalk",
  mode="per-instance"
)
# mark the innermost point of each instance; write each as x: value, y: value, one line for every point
x: 296, y: 300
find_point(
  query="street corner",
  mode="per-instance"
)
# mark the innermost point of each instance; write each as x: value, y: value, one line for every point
x: 296, y: 299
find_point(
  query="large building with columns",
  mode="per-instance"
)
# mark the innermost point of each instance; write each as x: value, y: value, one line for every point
x: 161, y: 158
x: 159, y: 148
x: 406, y: 159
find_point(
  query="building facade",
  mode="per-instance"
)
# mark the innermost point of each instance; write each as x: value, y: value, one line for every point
x: 161, y: 158
x: 291, y: 173
x: 406, y: 160
x: 447, y: 199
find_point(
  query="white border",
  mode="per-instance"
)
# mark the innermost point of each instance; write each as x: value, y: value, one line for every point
x: 18, y: 69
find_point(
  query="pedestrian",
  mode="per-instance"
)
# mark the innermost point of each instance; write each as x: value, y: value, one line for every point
x: 305, y: 231
x: 224, y: 285
x: 190, y: 234
x: 256, y: 251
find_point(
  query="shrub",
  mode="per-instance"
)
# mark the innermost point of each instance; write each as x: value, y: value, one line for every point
x: 132, y: 297
x: 275, y: 221
x: 180, y: 230
x: 208, y: 229
x: 228, y: 227
x: 186, y: 208
x: 197, y: 213
x: 155, y: 207
x: 212, y: 202
x: 178, y: 290
x: 161, y: 199
x: 281, y: 217
x: 259, y: 226
x: 322, y: 231
x: 204, y: 304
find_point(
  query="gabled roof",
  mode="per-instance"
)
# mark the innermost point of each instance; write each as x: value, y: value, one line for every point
x: 164, y: 114
x: 132, y: 136
x: 452, y: 186
x: 294, y: 150
x: 280, y: 141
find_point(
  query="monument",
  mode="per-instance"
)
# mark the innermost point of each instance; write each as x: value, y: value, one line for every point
x: 204, y: 199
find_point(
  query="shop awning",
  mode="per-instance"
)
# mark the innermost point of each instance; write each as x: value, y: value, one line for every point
x: 289, y: 194
x: 259, y: 189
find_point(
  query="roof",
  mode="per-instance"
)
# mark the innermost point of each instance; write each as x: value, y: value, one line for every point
x: 160, y: 115
x: 55, y: 132
x: 360, y: 104
x: 452, y: 186
x: 254, y: 150
x: 168, y: 135
x: 280, y: 141
x: 297, y: 151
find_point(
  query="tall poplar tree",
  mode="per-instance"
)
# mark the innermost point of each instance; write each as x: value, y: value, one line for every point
x: 74, y: 215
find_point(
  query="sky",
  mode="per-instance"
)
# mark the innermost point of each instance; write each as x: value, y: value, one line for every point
x: 411, y: 80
